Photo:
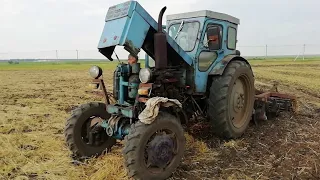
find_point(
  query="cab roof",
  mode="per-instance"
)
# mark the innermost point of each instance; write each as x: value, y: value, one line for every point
x: 204, y: 13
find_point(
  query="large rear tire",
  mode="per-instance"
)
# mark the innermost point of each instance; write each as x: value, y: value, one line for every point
x: 154, y: 151
x: 231, y: 100
x: 79, y: 126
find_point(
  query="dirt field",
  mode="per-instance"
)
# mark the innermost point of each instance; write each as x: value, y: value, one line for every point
x: 35, y: 100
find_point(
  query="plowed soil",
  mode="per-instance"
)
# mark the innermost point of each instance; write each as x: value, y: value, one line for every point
x: 35, y: 101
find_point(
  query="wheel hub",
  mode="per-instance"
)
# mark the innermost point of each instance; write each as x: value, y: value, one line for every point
x: 238, y: 102
x: 160, y: 151
x: 93, y: 132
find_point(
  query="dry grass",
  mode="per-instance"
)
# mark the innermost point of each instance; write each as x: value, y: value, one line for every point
x: 304, y: 77
x: 35, y: 103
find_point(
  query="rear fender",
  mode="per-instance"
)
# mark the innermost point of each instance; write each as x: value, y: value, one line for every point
x: 221, y: 66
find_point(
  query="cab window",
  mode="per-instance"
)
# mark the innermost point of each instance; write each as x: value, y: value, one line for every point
x: 213, y: 37
x: 232, y: 38
x: 185, y: 34
x: 212, y: 42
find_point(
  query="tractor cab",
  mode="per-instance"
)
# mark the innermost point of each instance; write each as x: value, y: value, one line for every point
x: 207, y: 37
x: 206, y: 31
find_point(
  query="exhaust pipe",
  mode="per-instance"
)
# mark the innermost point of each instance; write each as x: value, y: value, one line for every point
x: 160, y: 44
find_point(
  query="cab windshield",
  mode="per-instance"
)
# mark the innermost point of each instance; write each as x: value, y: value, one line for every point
x: 185, y: 34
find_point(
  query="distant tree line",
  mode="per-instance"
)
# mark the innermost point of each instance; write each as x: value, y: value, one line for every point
x: 13, y: 62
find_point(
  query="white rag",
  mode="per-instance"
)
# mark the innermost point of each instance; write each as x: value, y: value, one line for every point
x: 148, y: 115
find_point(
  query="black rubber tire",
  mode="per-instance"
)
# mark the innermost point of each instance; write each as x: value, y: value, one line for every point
x: 73, y: 128
x: 219, y: 99
x: 137, y: 138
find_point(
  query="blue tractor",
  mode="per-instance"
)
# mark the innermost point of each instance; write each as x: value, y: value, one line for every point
x: 192, y: 67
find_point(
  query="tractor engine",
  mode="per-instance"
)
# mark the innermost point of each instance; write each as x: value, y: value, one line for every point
x: 126, y: 82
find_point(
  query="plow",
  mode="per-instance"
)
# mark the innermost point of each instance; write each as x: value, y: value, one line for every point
x: 191, y: 67
x: 271, y: 103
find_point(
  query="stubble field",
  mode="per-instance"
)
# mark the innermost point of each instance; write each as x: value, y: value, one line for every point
x: 36, y: 99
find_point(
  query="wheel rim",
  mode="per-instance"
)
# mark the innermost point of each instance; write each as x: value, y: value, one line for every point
x: 240, y: 101
x: 92, y: 133
x: 160, y: 150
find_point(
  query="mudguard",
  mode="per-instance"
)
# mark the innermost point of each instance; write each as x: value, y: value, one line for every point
x: 220, y: 67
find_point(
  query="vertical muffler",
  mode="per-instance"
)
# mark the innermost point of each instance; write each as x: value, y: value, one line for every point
x: 160, y: 44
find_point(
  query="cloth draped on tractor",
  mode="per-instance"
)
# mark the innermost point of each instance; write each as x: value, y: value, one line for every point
x: 148, y: 115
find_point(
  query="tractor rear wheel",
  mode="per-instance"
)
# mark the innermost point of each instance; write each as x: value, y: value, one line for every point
x: 83, y: 134
x: 155, y: 150
x: 231, y: 100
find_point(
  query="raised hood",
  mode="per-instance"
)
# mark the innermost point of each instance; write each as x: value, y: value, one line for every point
x: 129, y: 25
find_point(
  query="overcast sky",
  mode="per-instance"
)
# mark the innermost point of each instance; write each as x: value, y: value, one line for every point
x: 42, y: 25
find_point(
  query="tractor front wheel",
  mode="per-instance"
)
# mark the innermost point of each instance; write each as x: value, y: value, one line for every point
x: 154, y: 151
x: 231, y: 100
x: 83, y: 133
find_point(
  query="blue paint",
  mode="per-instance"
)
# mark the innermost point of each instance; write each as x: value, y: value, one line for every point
x: 127, y: 112
x: 133, y: 28
x: 111, y: 109
x: 112, y: 33
x: 201, y: 77
x: 121, y: 97
x: 104, y: 123
x: 120, y: 129
x: 123, y: 69
x: 120, y: 110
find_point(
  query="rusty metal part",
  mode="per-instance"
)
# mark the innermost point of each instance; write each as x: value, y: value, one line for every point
x: 104, y: 90
x: 270, y: 103
x: 143, y: 91
x: 145, y: 85
x: 170, y: 80
x: 160, y: 19
x: 276, y: 96
x: 160, y: 44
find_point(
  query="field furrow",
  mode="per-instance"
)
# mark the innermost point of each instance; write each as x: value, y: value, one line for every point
x: 37, y: 98
x: 308, y: 84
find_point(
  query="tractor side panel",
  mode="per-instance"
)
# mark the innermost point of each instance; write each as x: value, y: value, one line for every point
x: 201, y: 77
x: 116, y: 22
x: 125, y: 32
x: 112, y: 32
x: 136, y: 34
x: 128, y: 24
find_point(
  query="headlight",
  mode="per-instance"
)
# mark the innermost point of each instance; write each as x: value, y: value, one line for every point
x: 145, y: 75
x: 95, y: 72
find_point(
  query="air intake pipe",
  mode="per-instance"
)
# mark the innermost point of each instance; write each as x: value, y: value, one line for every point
x: 160, y: 44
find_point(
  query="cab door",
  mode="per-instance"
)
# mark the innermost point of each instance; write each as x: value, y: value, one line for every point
x: 209, y: 53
